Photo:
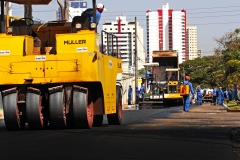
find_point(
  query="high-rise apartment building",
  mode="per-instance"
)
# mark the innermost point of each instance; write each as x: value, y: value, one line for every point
x: 125, y: 31
x: 166, y: 30
x: 192, y: 42
x: 76, y: 8
x: 199, y: 53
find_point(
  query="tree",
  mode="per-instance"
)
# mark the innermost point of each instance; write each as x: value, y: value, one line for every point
x: 228, y: 53
x: 200, y: 70
x: 142, y: 71
x: 221, y: 69
x: 229, y: 41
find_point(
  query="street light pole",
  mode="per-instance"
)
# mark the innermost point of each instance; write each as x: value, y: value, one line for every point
x: 136, y: 59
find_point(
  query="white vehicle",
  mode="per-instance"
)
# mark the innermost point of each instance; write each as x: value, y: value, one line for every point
x: 206, y: 91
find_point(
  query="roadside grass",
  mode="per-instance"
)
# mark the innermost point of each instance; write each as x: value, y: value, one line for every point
x: 232, y: 105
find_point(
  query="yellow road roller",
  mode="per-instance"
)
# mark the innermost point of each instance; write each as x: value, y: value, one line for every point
x: 66, y: 81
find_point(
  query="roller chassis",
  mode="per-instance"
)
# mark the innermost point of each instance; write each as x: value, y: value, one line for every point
x: 57, y: 107
x: 68, y: 88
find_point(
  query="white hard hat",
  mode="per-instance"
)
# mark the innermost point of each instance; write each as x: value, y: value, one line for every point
x: 100, y: 5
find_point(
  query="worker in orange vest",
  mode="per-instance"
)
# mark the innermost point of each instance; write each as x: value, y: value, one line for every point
x: 186, y: 99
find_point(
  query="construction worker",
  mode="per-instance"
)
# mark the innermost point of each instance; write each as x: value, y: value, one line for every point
x: 186, y: 99
x: 148, y: 76
x: 199, y: 95
x: 214, y: 96
x: 137, y: 95
x: 89, y: 12
x: 234, y: 92
x: 220, y: 96
x: 229, y: 94
x: 172, y: 78
x: 142, y: 92
x: 225, y: 93
x: 130, y: 95
x: 37, y: 41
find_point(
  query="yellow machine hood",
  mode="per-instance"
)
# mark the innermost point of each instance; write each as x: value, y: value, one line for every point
x: 30, y: 1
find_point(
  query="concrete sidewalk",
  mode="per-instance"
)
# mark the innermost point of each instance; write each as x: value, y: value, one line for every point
x: 129, y: 107
x: 207, y: 108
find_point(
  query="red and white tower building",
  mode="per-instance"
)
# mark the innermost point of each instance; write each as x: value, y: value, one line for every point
x: 166, y: 30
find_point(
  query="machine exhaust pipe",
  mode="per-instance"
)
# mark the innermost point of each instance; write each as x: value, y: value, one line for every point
x: 62, y: 9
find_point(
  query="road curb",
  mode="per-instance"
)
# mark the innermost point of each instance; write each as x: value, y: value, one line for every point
x: 225, y: 106
x: 130, y: 107
x: 230, y: 110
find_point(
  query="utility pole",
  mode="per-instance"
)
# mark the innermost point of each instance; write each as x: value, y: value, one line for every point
x: 66, y: 9
x: 28, y: 12
x: 136, y: 58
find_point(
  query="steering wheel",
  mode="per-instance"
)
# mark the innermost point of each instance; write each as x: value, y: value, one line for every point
x: 25, y: 18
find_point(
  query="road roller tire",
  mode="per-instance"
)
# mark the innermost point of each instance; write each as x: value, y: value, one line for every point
x: 116, y: 118
x: 82, y: 108
x: 34, y: 111
x: 57, y: 117
x: 11, y: 112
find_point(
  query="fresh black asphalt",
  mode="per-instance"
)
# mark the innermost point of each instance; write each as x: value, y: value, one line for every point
x: 143, y: 135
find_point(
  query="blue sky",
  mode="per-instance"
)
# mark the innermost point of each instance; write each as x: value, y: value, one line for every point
x: 213, y: 18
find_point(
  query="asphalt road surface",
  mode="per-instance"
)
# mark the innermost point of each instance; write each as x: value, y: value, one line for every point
x: 166, y: 134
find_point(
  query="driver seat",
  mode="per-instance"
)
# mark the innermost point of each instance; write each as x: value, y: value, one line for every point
x: 82, y: 20
x: 20, y: 27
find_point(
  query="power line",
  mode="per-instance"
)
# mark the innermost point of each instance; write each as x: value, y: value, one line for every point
x: 130, y: 53
x: 37, y: 11
x: 206, y: 45
x: 53, y: 10
x: 18, y: 8
x: 198, y: 46
x: 141, y: 43
x: 188, y: 13
x: 55, y: 1
x: 197, y: 24
x: 120, y: 12
x: 187, y: 16
x: 214, y: 7
x: 39, y: 20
